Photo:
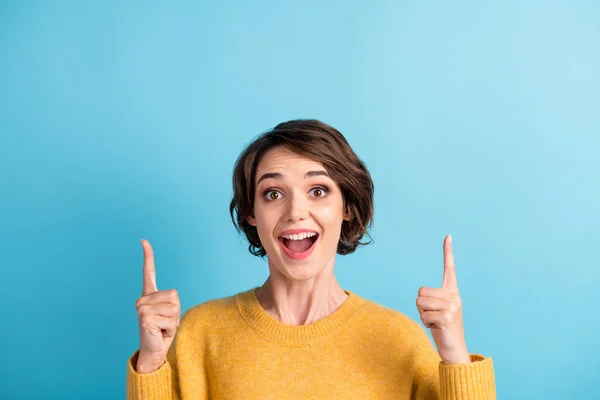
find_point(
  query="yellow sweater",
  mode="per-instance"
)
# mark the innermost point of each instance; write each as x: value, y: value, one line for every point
x: 230, y: 348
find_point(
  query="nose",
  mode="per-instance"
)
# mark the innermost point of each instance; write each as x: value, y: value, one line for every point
x: 296, y: 208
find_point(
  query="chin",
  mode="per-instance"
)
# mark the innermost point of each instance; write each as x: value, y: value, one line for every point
x: 302, y: 271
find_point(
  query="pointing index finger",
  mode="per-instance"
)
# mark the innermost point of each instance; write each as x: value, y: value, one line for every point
x: 149, y: 285
x: 449, y: 282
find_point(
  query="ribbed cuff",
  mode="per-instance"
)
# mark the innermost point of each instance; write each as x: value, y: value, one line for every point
x: 155, y: 385
x: 473, y: 381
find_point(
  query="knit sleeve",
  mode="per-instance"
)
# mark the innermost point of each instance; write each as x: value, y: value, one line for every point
x: 435, y: 380
x: 472, y: 381
x: 164, y: 383
x: 160, y: 384
x: 184, y: 373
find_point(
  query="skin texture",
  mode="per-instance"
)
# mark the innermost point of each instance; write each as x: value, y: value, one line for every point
x: 298, y: 292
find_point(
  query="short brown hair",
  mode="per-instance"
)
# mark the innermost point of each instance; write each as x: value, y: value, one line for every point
x: 320, y: 142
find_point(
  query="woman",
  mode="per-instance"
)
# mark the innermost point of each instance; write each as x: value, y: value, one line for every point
x: 301, y: 196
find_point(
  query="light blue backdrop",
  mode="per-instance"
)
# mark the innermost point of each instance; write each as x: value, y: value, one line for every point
x: 121, y: 121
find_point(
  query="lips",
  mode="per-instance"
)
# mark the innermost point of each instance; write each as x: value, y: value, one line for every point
x: 294, y: 255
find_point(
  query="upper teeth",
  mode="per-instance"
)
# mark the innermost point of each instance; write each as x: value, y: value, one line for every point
x: 300, y: 236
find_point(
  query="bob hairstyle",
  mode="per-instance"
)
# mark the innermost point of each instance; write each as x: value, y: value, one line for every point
x: 322, y: 143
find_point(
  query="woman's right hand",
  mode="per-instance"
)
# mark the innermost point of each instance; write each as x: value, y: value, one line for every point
x: 158, y: 316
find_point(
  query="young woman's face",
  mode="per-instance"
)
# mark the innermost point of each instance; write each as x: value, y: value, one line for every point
x: 295, y: 193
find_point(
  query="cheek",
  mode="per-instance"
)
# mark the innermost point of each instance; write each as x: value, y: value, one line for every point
x: 330, y: 218
x: 265, y: 221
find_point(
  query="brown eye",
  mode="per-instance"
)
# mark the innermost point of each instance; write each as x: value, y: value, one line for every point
x: 272, y: 194
x: 319, y: 192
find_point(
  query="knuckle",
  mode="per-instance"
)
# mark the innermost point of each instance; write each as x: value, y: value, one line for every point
x: 173, y: 293
x: 142, y: 310
x: 458, y: 302
x: 422, y: 291
x: 145, y: 321
x: 447, y: 315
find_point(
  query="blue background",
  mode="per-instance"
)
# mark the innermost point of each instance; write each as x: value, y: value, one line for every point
x: 122, y: 120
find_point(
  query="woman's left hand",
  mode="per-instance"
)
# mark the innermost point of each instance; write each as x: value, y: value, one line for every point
x: 441, y: 312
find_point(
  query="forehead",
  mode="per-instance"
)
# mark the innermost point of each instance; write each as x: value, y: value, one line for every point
x: 281, y: 158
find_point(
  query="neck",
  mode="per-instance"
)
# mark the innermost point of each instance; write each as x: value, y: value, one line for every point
x: 300, y: 302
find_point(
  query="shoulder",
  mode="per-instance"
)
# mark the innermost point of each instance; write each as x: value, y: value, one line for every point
x: 211, y: 312
x: 395, y: 334
x: 390, y: 322
x: 385, y: 314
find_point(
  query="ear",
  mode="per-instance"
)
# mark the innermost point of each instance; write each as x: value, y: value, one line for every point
x: 251, y: 220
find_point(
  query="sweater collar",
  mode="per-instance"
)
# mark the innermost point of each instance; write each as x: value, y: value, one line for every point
x: 295, y: 335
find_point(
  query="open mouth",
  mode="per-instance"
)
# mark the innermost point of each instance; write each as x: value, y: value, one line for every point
x: 298, y: 249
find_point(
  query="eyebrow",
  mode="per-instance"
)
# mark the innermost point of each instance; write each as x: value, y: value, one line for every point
x: 277, y: 175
